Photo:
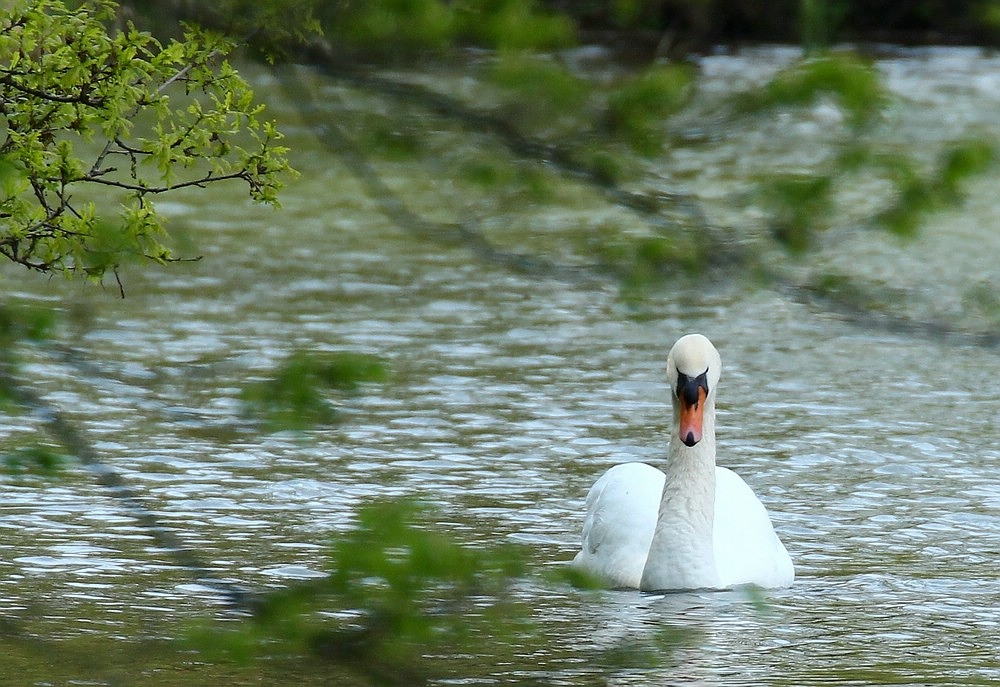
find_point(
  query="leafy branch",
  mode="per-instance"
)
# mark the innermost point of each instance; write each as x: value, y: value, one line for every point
x: 176, y: 115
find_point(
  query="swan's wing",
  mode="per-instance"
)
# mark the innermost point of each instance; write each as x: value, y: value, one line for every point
x: 747, y: 550
x: 621, y: 515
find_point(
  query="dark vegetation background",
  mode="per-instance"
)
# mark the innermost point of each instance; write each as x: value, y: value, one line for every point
x: 648, y: 28
x: 705, y: 25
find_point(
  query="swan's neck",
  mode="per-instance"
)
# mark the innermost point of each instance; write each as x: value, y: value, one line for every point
x: 681, y: 555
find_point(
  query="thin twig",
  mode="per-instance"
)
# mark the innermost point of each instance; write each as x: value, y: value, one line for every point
x: 207, y: 179
x: 51, y: 97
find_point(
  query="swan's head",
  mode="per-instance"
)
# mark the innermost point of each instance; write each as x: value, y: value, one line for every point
x: 693, y: 371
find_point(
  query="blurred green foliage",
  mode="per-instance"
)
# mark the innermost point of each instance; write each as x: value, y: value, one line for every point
x: 402, y: 26
x: 644, y: 260
x: 639, y: 108
x: 398, y: 29
x: 819, y: 21
x: 298, y: 395
x: 33, y: 460
x: 626, y: 13
x: 402, y: 603
x: 539, y: 92
x: 916, y: 193
x: 843, y: 76
x: 515, y: 25
x: 506, y: 182
x: 962, y: 161
x: 387, y: 137
x: 20, y: 324
x: 798, y: 205
x: 802, y: 205
x: 988, y: 13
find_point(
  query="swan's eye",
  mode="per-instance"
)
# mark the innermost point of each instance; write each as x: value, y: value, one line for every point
x: 687, y: 387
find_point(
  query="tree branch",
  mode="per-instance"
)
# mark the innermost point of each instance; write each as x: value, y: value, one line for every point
x: 74, y: 441
x: 397, y: 211
x: 142, y: 189
x: 8, y: 80
x: 651, y: 207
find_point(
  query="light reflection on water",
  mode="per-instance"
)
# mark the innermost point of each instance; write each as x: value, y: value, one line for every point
x: 875, y: 454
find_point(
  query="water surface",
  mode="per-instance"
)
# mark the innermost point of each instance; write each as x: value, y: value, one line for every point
x: 875, y: 452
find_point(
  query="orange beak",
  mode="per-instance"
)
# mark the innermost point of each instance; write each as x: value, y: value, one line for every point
x: 691, y: 418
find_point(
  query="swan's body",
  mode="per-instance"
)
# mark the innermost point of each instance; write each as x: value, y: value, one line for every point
x: 692, y: 525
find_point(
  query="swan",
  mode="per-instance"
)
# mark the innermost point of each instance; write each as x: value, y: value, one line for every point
x: 692, y: 526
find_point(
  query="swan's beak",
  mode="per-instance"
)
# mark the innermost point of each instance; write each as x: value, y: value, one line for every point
x: 692, y: 414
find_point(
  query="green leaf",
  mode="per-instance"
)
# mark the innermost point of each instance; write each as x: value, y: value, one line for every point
x: 540, y: 88
x: 298, y: 395
x: 799, y: 206
x: 638, y: 108
x: 964, y: 160
x: 34, y: 460
x: 851, y: 80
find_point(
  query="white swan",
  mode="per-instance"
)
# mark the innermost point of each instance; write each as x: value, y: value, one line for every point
x: 694, y: 525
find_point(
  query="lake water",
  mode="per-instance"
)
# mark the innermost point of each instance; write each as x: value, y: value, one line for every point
x: 874, y: 451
